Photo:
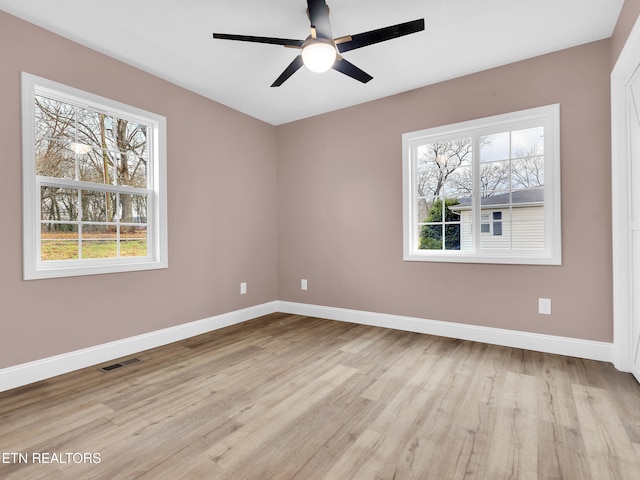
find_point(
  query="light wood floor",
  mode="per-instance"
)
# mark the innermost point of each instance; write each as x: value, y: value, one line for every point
x: 285, y: 397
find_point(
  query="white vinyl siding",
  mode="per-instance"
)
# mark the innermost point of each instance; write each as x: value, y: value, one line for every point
x: 522, y: 229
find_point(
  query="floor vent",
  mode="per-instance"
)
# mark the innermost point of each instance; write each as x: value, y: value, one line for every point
x: 124, y: 363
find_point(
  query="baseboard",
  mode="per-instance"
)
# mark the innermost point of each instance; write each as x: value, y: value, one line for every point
x: 26, y: 373
x: 572, y: 347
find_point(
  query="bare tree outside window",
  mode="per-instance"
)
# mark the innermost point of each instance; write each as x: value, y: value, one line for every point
x: 76, y: 143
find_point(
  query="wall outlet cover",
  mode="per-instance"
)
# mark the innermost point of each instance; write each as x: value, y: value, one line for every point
x: 544, y: 306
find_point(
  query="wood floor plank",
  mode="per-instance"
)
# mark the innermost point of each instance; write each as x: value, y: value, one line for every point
x: 361, y: 338
x: 467, y: 433
x: 18, y: 436
x: 513, y: 452
x: 264, y: 422
x: 557, y: 404
x: 609, y: 450
x: 356, y: 457
x: 561, y: 453
x: 396, y: 371
x: 292, y: 397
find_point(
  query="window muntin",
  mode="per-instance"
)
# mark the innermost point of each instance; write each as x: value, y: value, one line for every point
x: 501, y: 173
x: 94, y: 183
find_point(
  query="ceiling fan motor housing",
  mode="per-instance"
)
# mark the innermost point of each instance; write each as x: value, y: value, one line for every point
x: 318, y: 54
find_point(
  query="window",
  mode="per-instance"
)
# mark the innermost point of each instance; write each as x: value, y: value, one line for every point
x: 501, y: 173
x: 94, y: 183
x: 497, y: 223
x: 485, y: 226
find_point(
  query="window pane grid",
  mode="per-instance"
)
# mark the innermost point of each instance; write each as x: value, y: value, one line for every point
x: 495, y: 202
x: 511, y: 177
x: 103, y: 223
x: 88, y: 145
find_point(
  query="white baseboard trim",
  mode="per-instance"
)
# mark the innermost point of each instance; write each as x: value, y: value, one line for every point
x: 26, y: 373
x: 573, y: 347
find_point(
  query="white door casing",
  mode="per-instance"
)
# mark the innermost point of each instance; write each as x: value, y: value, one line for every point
x: 625, y: 140
x: 633, y: 115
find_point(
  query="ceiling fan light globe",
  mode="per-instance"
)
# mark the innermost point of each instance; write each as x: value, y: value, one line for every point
x: 319, y: 56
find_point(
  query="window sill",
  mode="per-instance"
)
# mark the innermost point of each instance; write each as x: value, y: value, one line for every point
x: 62, y: 269
x: 460, y: 257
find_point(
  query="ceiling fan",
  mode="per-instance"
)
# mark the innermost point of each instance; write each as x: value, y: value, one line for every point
x: 320, y: 51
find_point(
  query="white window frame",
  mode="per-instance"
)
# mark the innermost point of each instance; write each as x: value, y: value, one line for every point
x: 157, y: 252
x: 546, y: 116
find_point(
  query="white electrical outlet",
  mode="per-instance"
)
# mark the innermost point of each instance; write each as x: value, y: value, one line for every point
x: 243, y: 288
x: 303, y: 284
x: 544, y: 306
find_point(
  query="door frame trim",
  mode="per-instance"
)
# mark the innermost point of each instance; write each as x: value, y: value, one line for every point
x: 625, y: 67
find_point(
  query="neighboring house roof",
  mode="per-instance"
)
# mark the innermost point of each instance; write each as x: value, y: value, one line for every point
x: 519, y: 198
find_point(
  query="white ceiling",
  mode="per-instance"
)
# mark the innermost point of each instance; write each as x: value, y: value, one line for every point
x: 173, y: 40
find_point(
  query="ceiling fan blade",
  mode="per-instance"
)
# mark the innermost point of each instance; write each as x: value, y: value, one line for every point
x: 290, y: 70
x: 381, y: 35
x: 349, y: 69
x: 319, y: 18
x: 287, y: 42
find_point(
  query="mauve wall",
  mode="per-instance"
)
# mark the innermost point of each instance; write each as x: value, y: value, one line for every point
x: 340, y: 204
x: 626, y: 21
x: 222, y: 210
